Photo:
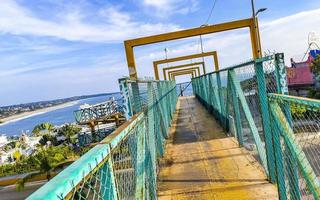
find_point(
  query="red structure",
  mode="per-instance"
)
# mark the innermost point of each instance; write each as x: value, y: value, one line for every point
x: 300, y: 73
x: 300, y: 77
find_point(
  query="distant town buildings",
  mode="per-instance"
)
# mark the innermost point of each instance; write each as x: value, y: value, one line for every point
x: 7, y: 111
x: 24, y: 145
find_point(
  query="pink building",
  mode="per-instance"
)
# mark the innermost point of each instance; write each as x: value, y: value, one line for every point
x: 300, y: 77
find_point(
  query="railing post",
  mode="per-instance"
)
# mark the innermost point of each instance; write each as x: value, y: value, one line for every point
x: 174, y: 96
x: 197, y: 85
x: 226, y: 119
x: 237, y: 112
x: 201, y: 90
x: 162, y: 107
x: 151, y: 126
x: 281, y: 75
x: 127, y: 107
x: 140, y: 192
x: 193, y: 88
x: 136, y: 104
x: 151, y: 142
x: 206, y: 89
x: 160, y: 133
x: 211, y: 94
x: 169, y: 105
x: 266, y: 122
x: 282, y: 88
x: 221, y: 109
x: 166, y: 103
x: 217, y: 105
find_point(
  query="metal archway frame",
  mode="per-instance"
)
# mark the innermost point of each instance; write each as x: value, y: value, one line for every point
x: 196, y: 69
x: 183, y: 66
x: 251, y: 23
x: 191, y: 72
x: 173, y: 76
x: 187, y: 57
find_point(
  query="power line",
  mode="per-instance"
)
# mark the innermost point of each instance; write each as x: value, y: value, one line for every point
x: 206, y: 22
x: 211, y: 11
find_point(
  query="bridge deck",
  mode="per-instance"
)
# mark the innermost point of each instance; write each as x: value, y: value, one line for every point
x: 202, y: 163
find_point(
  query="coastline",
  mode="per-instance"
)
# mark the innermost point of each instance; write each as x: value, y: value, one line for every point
x: 25, y: 115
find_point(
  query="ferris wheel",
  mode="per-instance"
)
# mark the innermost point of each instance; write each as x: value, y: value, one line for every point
x: 313, y: 40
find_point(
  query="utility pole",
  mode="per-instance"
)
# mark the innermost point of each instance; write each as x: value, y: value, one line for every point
x: 166, y: 53
x: 256, y: 30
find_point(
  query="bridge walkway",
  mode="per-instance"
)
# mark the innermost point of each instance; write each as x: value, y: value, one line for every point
x: 201, y: 162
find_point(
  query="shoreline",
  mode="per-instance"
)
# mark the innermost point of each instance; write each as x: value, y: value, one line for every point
x: 28, y: 114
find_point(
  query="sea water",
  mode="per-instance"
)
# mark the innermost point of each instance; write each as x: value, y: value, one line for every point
x: 56, y: 117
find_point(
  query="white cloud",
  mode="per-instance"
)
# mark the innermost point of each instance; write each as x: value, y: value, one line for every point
x: 118, y: 26
x: 288, y: 35
x: 165, y: 8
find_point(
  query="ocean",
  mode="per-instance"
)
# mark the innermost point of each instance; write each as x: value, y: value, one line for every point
x: 56, y: 117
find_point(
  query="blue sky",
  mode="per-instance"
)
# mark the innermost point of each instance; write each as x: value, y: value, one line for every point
x: 59, y: 48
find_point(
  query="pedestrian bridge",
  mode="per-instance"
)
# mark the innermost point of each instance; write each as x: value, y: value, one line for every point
x: 239, y: 136
x: 206, y: 163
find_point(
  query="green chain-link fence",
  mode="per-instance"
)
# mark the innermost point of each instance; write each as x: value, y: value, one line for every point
x: 286, y: 144
x: 124, y: 164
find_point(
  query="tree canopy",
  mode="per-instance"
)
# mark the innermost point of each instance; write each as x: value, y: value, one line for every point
x: 41, y: 127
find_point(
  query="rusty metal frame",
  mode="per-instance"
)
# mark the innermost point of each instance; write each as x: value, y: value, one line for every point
x: 187, y: 57
x: 173, y: 76
x: 183, y: 66
x: 196, y: 69
x: 191, y: 72
x: 250, y: 23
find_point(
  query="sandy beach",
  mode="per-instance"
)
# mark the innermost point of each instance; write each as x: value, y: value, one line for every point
x: 24, y: 115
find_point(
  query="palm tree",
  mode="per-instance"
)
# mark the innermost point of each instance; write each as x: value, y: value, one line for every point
x: 68, y: 131
x: 47, y: 163
x: 43, y: 126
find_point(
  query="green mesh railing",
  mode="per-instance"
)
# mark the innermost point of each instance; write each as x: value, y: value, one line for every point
x: 99, y: 111
x: 124, y: 164
x: 296, y: 124
x: 231, y: 94
x: 281, y: 132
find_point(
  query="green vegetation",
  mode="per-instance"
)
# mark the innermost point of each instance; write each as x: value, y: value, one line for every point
x: 315, y: 68
x: 298, y: 110
x: 56, y: 149
x: 36, y: 162
x: 46, y: 161
x: 69, y: 131
x: 314, y: 93
x: 42, y: 127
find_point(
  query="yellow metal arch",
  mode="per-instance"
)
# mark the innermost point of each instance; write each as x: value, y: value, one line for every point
x: 183, y: 66
x: 196, y: 69
x: 173, y: 76
x: 251, y: 23
x: 187, y: 57
x: 191, y: 72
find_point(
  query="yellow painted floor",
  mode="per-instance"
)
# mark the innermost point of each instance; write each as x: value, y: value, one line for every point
x: 201, y: 162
